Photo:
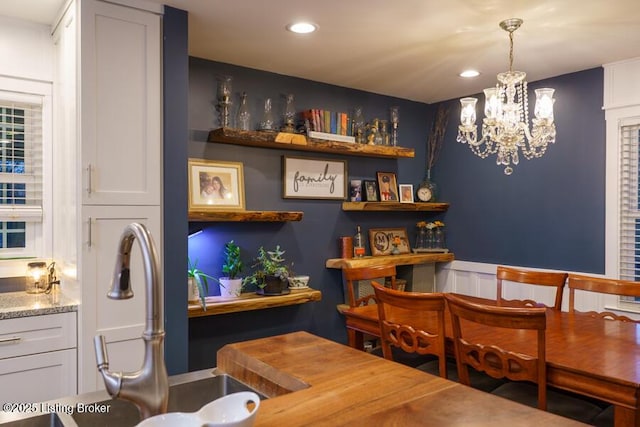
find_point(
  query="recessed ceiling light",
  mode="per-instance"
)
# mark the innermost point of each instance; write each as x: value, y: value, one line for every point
x: 469, y: 73
x: 302, y: 27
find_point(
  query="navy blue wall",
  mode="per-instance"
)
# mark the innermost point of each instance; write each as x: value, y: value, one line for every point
x: 314, y: 239
x: 550, y: 212
x: 175, y: 89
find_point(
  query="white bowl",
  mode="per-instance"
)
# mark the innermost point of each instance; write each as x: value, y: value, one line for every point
x: 232, y: 410
x: 299, y: 282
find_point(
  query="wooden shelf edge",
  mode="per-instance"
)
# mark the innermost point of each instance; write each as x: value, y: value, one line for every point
x: 251, y: 301
x: 394, y: 206
x: 406, y: 259
x: 248, y: 216
x: 268, y: 140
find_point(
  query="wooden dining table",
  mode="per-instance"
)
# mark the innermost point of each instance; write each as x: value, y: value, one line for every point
x: 587, y: 355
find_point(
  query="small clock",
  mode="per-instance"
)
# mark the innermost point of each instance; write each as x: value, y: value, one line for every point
x: 426, y: 191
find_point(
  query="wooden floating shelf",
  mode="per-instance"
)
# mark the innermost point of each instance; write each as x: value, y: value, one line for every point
x: 252, y: 301
x: 244, y: 216
x: 301, y: 143
x: 373, y: 261
x: 394, y: 206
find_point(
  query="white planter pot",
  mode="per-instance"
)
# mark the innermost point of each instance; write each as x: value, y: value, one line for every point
x: 230, y: 287
x: 194, y: 292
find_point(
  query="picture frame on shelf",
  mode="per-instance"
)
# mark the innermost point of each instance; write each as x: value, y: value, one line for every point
x: 313, y: 178
x: 381, y: 241
x: 370, y: 193
x: 387, y: 186
x: 355, y: 190
x: 215, y: 185
x: 406, y: 193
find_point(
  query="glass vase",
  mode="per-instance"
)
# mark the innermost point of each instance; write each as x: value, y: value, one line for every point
x: 395, y: 120
x: 359, y: 126
x: 267, y: 123
x: 243, y: 119
x: 421, y: 238
x: 224, y: 100
x: 384, y: 134
x: 439, y: 241
x: 289, y: 116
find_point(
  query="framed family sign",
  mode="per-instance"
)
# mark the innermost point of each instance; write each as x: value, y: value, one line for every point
x: 305, y: 178
x: 215, y: 185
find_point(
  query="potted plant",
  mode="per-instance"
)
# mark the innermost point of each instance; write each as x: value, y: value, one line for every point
x: 271, y: 275
x: 198, y: 283
x: 231, y: 284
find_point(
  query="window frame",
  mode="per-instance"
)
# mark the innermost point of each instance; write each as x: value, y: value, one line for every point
x: 38, y: 238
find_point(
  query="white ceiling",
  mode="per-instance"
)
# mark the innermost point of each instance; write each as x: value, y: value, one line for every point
x: 412, y: 49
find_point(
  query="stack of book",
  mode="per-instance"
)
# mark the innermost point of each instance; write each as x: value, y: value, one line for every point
x: 329, y: 125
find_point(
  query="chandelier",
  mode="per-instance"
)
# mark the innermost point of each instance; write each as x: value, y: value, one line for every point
x: 505, y: 128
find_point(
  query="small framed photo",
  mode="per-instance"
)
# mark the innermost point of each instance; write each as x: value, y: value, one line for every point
x: 387, y: 186
x: 382, y: 240
x: 370, y: 191
x: 406, y: 193
x: 355, y: 190
x: 215, y: 185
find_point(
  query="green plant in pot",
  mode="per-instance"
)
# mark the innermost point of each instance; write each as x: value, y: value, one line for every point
x: 271, y: 275
x: 231, y: 285
x: 198, y: 283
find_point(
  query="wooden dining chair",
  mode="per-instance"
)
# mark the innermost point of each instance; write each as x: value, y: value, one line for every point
x: 543, y: 278
x: 358, y: 293
x: 398, y: 313
x: 527, y: 372
x: 603, y: 286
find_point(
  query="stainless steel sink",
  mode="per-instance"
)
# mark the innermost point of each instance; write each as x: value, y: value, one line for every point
x: 46, y: 420
x: 185, y: 397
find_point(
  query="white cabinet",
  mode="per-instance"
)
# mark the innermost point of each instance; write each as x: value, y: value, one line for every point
x: 121, y: 105
x: 111, y: 137
x: 120, y: 321
x: 38, y: 358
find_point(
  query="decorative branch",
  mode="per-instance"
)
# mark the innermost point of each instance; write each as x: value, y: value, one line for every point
x: 436, y: 136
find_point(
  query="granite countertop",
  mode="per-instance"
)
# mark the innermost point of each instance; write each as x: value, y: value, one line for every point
x: 22, y: 304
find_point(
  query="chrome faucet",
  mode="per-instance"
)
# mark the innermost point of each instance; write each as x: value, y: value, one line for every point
x: 147, y: 388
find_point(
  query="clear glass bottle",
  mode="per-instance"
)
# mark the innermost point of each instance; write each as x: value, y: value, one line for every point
x: 439, y: 241
x: 289, y: 116
x: 267, y: 123
x: 224, y: 100
x: 384, y: 134
x: 243, y: 119
x: 359, y: 126
x: 395, y: 120
x: 358, y: 244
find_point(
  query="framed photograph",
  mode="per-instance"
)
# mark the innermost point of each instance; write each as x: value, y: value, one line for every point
x: 381, y: 240
x: 305, y: 178
x: 355, y: 190
x: 406, y: 193
x: 370, y: 191
x: 215, y: 185
x: 387, y: 186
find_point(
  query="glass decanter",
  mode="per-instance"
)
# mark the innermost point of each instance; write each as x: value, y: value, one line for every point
x: 243, y: 119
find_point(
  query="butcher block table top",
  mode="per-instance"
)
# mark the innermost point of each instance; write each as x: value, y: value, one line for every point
x: 311, y: 381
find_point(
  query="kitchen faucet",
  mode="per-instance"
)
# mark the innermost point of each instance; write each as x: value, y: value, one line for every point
x: 147, y: 388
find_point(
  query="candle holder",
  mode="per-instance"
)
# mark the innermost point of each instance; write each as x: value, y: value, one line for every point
x: 224, y: 100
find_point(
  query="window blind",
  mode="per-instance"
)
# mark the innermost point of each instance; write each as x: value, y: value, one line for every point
x: 629, y: 232
x: 20, y: 157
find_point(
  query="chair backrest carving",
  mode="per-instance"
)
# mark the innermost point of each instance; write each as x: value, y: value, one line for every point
x: 604, y: 286
x: 351, y: 276
x: 542, y: 278
x: 497, y: 361
x: 399, y: 314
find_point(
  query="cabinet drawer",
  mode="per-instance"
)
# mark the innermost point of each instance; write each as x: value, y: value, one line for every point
x: 37, y: 334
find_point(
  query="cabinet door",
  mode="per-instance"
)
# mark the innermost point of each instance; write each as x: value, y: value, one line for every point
x: 120, y: 105
x: 38, y: 377
x: 120, y: 321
